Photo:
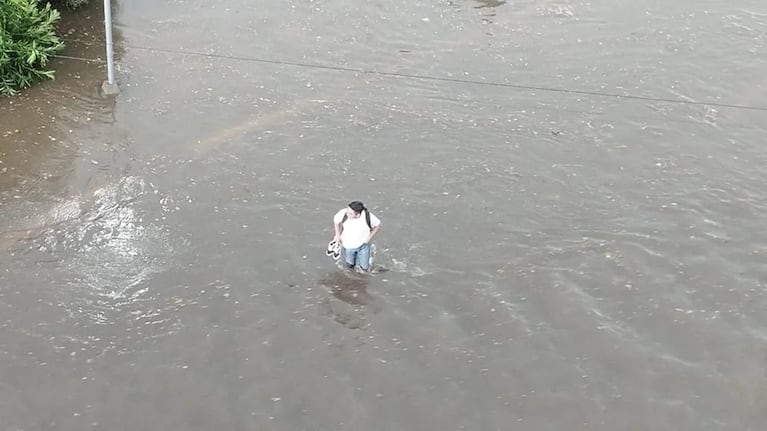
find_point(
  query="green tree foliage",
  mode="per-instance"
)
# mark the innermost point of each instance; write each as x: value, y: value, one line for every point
x: 27, y: 40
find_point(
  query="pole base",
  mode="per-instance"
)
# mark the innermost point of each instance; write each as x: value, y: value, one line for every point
x: 109, y: 90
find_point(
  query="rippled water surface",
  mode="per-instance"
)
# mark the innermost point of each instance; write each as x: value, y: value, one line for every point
x: 553, y: 256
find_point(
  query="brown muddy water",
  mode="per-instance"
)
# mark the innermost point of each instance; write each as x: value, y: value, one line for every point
x: 556, y: 261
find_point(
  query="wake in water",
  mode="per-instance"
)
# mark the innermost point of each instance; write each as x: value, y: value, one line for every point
x: 386, y: 262
x: 335, y: 251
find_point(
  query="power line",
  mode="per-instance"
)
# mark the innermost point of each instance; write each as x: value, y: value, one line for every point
x: 428, y: 77
x: 558, y: 109
x: 454, y: 80
x: 544, y: 108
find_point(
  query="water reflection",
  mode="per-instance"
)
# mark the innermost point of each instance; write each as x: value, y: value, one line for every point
x: 105, y: 248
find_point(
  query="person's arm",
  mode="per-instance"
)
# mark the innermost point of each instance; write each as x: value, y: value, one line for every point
x: 337, y: 221
x: 373, y: 232
x: 337, y: 229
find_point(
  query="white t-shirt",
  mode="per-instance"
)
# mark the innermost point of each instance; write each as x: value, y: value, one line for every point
x: 355, y: 230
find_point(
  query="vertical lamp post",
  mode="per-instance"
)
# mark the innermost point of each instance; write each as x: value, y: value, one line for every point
x: 109, y: 87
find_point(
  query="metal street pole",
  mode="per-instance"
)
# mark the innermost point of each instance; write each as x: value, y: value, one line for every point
x: 109, y: 87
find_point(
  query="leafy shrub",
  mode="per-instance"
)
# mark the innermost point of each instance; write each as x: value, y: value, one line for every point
x: 27, y: 40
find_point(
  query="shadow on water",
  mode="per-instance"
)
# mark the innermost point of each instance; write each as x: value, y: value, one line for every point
x: 489, y: 4
x: 351, y: 297
x: 348, y: 287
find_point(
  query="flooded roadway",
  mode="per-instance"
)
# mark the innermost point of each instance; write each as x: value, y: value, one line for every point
x: 556, y: 260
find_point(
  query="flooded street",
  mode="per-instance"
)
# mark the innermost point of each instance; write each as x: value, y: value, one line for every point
x: 557, y: 257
